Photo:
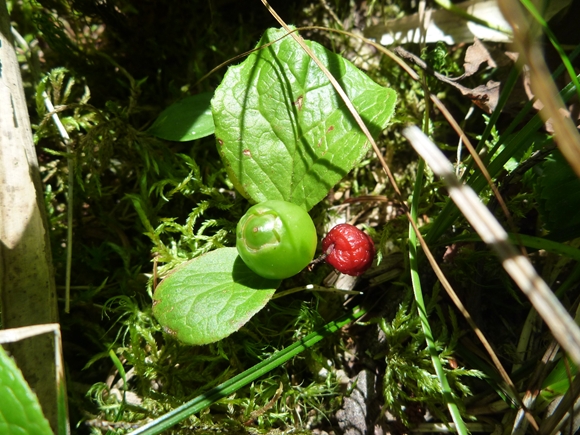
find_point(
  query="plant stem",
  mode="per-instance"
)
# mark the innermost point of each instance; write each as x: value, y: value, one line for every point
x: 421, y: 309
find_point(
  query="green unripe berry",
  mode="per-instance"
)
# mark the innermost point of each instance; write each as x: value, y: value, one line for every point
x: 276, y: 239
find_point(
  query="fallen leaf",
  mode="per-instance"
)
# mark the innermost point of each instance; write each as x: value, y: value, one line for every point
x: 476, y: 55
x: 485, y: 96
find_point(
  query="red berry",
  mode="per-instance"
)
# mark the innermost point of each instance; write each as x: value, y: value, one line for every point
x: 348, y: 249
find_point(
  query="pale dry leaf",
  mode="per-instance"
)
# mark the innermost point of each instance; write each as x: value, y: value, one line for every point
x: 476, y: 55
x: 445, y: 26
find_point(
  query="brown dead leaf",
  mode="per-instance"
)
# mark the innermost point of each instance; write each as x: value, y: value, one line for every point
x: 485, y: 96
x: 476, y: 55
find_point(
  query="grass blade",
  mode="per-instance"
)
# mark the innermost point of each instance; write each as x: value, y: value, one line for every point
x: 417, y: 291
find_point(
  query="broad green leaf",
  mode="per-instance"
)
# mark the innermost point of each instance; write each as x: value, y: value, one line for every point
x: 20, y: 412
x: 210, y: 297
x: 187, y: 119
x: 281, y: 128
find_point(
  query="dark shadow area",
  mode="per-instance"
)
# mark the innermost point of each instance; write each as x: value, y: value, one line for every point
x: 242, y: 274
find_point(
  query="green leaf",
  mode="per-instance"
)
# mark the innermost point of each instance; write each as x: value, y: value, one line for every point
x: 558, y: 190
x: 20, y: 412
x: 281, y: 128
x: 185, y: 120
x: 558, y: 381
x: 210, y: 297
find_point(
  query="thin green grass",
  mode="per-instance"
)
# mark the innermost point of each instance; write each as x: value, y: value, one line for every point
x: 422, y: 311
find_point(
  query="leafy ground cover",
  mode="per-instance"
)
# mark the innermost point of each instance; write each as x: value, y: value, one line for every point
x: 387, y: 351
